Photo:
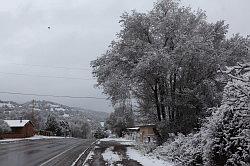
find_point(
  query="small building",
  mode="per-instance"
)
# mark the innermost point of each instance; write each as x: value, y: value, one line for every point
x: 20, y: 129
x: 147, y: 133
x: 132, y: 133
x: 143, y: 133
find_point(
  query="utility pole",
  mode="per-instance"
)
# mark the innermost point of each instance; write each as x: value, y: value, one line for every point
x: 33, y: 106
x: 33, y: 118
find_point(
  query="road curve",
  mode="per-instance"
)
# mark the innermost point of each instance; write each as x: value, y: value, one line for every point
x: 45, y: 152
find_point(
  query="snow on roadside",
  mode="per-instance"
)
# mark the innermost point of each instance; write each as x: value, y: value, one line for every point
x: 122, y: 141
x: 43, y: 137
x: 35, y: 137
x: 110, y: 156
x: 145, y: 160
x: 10, y: 140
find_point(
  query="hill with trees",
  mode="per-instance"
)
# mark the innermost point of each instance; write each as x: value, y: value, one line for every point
x: 54, y: 117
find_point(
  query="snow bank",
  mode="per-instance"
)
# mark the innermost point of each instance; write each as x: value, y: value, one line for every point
x: 122, y: 141
x: 110, y: 156
x: 35, y: 137
x: 4, y: 141
x: 43, y: 137
x: 145, y: 160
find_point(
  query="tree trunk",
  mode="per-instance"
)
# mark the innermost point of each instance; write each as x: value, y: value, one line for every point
x: 172, y: 94
x: 157, y: 102
x: 162, y: 97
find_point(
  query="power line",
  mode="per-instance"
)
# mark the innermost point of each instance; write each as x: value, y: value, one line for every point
x: 45, y: 66
x: 44, y: 76
x: 55, y: 96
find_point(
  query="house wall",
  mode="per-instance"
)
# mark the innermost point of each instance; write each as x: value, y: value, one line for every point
x: 132, y: 135
x: 28, y: 130
x: 147, y: 132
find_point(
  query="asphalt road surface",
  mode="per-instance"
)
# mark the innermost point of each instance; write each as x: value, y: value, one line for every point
x: 54, y: 152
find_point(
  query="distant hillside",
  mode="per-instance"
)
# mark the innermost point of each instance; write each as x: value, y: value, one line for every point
x: 41, y: 110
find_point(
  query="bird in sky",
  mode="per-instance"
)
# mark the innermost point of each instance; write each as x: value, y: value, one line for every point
x: 49, y: 27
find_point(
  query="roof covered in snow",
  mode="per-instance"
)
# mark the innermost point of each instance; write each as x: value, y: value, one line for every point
x: 133, y: 128
x: 145, y: 125
x: 16, y: 123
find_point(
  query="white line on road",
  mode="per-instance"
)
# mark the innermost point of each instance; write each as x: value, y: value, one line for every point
x: 74, y: 163
x: 46, y: 162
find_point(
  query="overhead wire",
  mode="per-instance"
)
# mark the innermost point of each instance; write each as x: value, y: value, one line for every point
x: 46, y: 66
x: 44, y: 76
x: 47, y: 76
x: 49, y: 95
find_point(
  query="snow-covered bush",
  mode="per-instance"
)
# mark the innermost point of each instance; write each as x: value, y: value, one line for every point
x: 228, y: 129
x: 184, y: 150
x: 145, y: 148
x: 224, y: 137
x: 4, y: 127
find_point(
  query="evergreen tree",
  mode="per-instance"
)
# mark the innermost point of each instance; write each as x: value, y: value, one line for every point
x: 52, y: 125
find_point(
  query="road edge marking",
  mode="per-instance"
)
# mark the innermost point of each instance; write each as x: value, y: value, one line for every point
x: 57, y: 156
x: 74, y: 163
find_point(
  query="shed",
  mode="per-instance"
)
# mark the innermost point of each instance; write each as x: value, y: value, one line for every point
x: 143, y: 133
x: 132, y: 133
x: 147, y: 133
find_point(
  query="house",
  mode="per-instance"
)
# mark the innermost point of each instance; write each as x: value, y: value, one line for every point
x: 132, y: 133
x: 143, y: 133
x: 147, y: 133
x: 19, y: 129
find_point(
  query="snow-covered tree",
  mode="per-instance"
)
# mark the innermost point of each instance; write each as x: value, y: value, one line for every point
x: 121, y: 118
x: 80, y: 128
x: 85, y: 130
x: 167, y: 60
x: 4, y: 127
x: 229, y: 127
x: 64, y: 128
x: 52, y: 125
x: 224, y: 137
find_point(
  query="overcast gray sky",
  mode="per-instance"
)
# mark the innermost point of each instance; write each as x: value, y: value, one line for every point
x: 80, y: 30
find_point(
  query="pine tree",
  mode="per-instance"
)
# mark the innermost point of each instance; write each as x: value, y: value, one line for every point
x: 52, y: 125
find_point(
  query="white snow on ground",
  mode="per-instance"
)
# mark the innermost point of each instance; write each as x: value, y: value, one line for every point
x: 2, y: 141
x: 65, y: 115
x: 132, y: 153
x: 145, y: 160
x: 35, y: 137
x: 122, y: 141
x: 43, y: 137
x: 111, y: 156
